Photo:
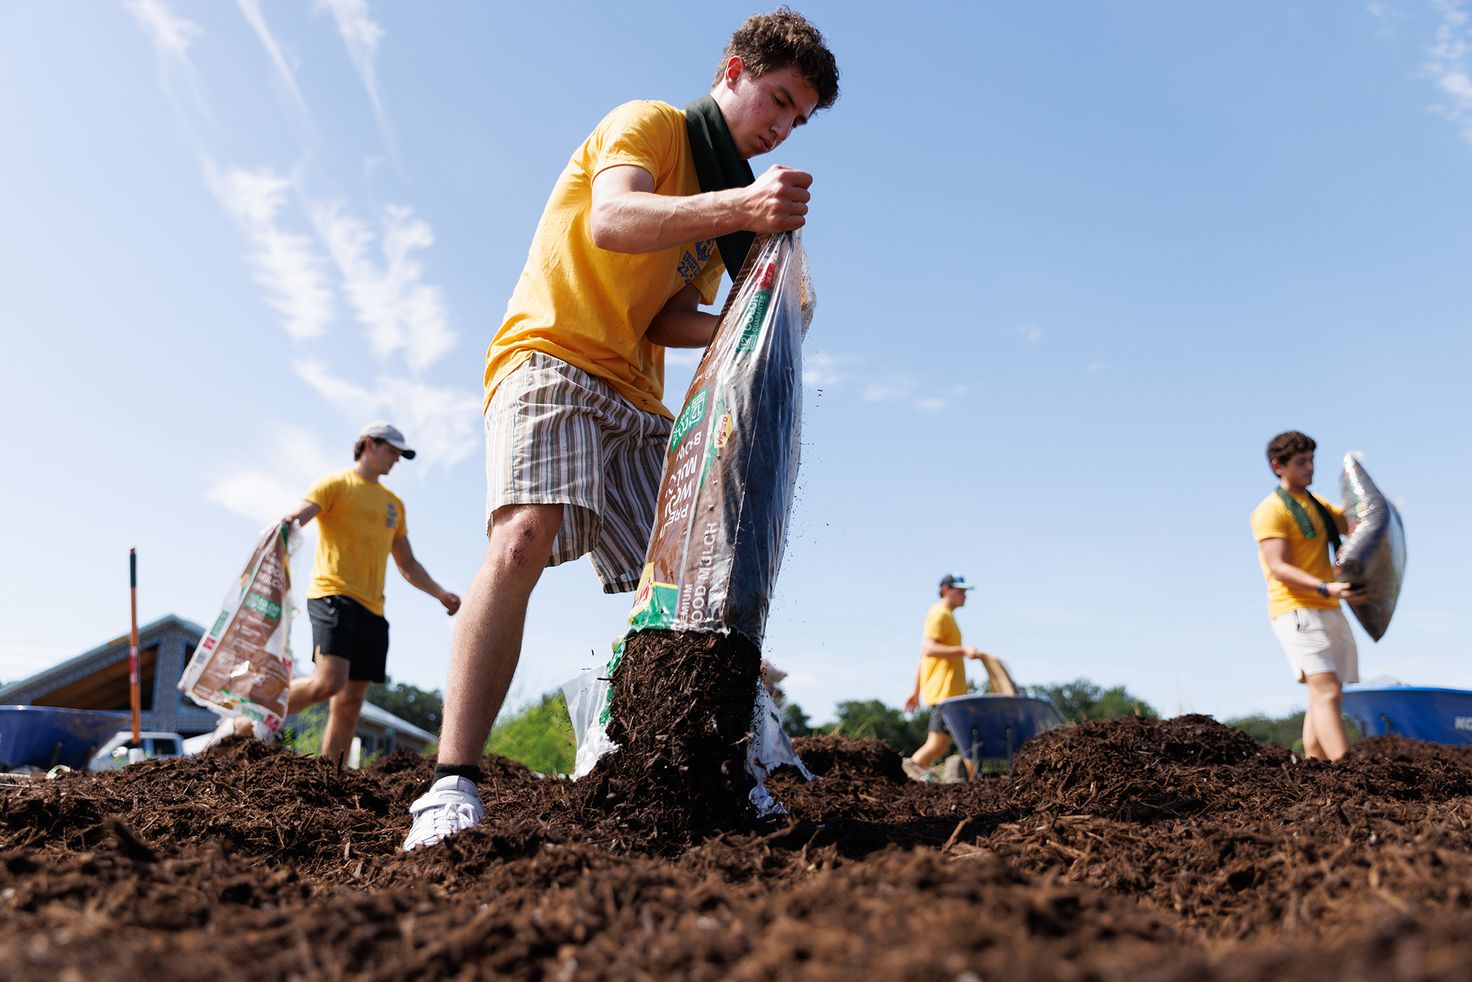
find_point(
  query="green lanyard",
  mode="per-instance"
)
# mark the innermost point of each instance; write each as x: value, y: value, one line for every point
x: 1301, y: 517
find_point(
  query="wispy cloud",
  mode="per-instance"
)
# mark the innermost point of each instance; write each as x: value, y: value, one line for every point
x: 903, y: 389
x: 899, y: 389
x: 400, y: 311
x: 825, y: 370
x: 442, y: 424
x: 251, y: 11
x: 286, y: 264
x: 1387, y: 16
x: 292, y: 460
x: 170, y: 33
x: 172, y: 36
x: 360, y: 35
x: 1030, y: 333
x: 1450, y: 64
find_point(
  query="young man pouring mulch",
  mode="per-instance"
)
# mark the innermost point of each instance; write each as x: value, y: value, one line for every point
x: 640, y: 223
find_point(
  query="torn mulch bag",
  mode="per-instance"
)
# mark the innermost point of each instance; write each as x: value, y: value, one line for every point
x: 719, y: 531
x: 242, y: 666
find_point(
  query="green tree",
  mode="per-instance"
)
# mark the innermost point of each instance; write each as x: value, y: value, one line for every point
x: 1081, y: 700
x: 795, y: 721
x: 1285, y: 732
x: 872, y: 719
x: 303, y: 731
x: 424, y: 708
x: 539, y: 735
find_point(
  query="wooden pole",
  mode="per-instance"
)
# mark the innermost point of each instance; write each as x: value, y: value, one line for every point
x: 133, y: 686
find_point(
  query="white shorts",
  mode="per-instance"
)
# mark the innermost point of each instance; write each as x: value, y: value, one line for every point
x: 1318, y: 641
x: 556, y: 435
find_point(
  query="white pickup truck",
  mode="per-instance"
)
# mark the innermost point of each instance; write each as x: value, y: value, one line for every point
x: 116, y: 752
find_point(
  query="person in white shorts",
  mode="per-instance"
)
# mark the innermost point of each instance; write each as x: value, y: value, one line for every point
x: 1294, y: 528
x: 640, y: 224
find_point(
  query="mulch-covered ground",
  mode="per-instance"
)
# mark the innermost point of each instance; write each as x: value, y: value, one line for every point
x: 1138, y: 849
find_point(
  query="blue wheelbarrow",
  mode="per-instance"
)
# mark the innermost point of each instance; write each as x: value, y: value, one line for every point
x: 992, y: 727
x: 1418, y: 712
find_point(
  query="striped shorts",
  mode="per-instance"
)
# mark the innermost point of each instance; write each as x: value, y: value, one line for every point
x: 556, y: 435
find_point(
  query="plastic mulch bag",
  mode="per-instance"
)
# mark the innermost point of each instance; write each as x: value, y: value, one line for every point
x: 721, y: 517
x: 242, y: 666
x: 720, y: 523
x: 588, y: 698
x: 1374, y: 553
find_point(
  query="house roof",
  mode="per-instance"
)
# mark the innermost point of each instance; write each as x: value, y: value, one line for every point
x: 384, y: 718
x: 103, y: 654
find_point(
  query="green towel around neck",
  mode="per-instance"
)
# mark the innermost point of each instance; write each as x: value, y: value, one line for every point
x: 720, y: 167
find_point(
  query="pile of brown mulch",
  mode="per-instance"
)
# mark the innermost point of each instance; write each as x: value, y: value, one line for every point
x: 1137, y: 849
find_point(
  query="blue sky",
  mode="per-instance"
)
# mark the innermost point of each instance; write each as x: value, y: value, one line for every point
x: 1075, y: 264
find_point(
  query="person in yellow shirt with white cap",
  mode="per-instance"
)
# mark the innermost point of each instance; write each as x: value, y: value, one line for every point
x: 942, y: 673
x: 360, y: 524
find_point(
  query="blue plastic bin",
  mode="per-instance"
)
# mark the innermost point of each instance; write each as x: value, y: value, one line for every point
x: 1418, y: 712
x: 40, y: 736
x: 992, y: 727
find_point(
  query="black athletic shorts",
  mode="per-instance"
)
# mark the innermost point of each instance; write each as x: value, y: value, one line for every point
x: 937, y: 724
x: 344, y: 628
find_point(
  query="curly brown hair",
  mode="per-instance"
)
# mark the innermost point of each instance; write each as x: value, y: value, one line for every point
x: 784, y: 37
x: 1285, y: 446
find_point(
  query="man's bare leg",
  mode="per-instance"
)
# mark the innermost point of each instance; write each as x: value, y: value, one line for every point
x: 1323, y: 721
x: 487, y: 644
x: 934, y: 748
x: 327, y: 681
x: 342, y: 720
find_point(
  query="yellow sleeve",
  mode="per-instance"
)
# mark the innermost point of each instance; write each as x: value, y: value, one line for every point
x: 324, y: 493
x: 935, y: 625
x: 636, y: 133
x: 403, y: 529
x: 1270, y: 520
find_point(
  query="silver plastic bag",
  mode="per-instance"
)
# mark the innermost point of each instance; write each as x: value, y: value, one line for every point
x: 1374, y: 554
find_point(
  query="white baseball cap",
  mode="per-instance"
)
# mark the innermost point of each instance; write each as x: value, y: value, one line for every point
x: 388, y: 433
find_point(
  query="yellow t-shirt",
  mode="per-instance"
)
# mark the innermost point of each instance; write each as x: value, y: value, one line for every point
x: 356, y: 529
x: 591, y: 307
x: 1272, y: 520
x: 941, y: 678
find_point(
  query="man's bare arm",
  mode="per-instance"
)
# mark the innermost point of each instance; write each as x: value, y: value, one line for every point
x: 416, y: 574
x: 629, y: 217
x: 931, y: 648
x: 680, y: 324
x: 1275, y: 557
x: 304, y: 514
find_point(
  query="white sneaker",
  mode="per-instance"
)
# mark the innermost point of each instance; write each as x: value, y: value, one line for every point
x: 449, y: 807
x: 915, y: 772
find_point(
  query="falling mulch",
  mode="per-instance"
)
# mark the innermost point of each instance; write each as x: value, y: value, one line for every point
x: 1140, y: 849
x: 682, y: 715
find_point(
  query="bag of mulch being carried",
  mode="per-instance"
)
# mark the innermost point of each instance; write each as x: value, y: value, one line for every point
x: 242, y: 666
x: 1374, y: 553
x: 721, y: 517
